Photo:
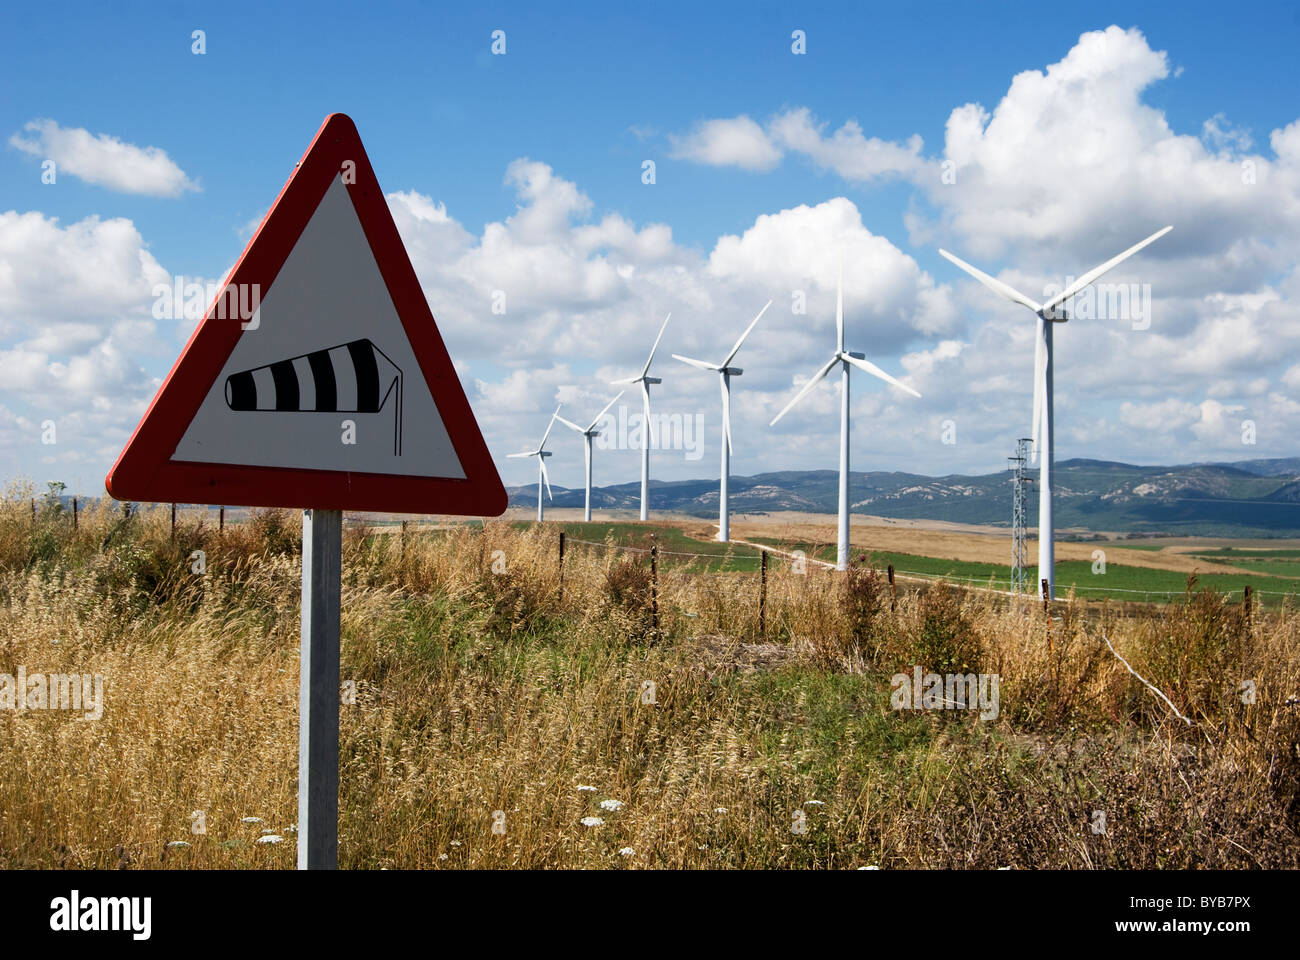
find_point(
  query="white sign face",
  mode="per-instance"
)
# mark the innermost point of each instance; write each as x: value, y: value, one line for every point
x: 324, y: 378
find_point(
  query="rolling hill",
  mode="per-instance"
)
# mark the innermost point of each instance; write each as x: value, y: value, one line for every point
x: 1256, y: 498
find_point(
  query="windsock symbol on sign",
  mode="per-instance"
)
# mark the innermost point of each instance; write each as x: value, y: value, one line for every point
x: 355, y: 377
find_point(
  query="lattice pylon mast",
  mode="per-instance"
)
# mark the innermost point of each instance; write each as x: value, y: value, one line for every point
x: 1019, y: 534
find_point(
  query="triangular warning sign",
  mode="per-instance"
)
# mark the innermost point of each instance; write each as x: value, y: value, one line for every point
x: 317, y: 378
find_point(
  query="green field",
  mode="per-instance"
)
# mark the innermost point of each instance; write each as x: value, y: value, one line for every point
x: 1249, y: 553
x: 1120, y: 581
x: 1277, y: 575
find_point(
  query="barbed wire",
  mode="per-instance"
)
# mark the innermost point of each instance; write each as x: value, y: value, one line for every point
x: 907, y: 574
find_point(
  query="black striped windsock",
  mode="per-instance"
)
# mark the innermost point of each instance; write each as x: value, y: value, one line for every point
x: 355, y: 377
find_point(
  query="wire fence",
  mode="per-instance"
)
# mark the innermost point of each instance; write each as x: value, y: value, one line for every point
x: 990, y: 584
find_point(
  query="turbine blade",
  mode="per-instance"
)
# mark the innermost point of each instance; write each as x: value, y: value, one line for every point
x: 548, y: 427
x: 606, y: 410
x: 650, y: 359
x: 1040, y: 385
x: 1096, y: 272
x: 546, y: 477
x: 1010, y: 292
x: 875, y: 371
x: 711, y: 367
x: 569, y: 423
x: 530, y: 453
x: 736, y: 349
x: 816, y: 379
x: 726, y: 411
x: 628, y: 380
x: 839, y: 307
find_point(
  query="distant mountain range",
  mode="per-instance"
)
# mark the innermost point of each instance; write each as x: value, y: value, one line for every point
x: 1256, y: 498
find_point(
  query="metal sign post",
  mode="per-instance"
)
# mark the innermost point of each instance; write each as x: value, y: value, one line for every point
x: 295, y: 389
x: 318, y: 691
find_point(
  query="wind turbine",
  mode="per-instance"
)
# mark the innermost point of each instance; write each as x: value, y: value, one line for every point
x: 1043, y: 389
x: 645, y: 380
x: 588, y: 435
x: 845, y: 360
x: 541, y: 453
x: 725, y: 372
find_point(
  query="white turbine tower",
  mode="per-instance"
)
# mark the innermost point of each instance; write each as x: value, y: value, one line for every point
x: 1044, y: 371
x: 725, y: 372
x: 589, y: 434
x: 541, y: 453
x: 845, y: 360
x: 645, y: 380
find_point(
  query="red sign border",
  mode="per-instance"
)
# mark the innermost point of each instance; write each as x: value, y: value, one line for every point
x: 145, y: 471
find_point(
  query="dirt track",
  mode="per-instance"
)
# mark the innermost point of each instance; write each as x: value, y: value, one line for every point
x: 931, y: 538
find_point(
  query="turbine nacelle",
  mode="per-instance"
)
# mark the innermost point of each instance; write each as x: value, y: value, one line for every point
x: 726, y: 371
x: 847, y: 357
x: 593, y: 429
x: 541, y: 453
x: 1052, y: 311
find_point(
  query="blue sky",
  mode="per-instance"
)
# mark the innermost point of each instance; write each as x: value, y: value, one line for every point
x: 590, y: 93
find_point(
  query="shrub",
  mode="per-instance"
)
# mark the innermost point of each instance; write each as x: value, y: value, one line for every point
x: 627, y: 598
x: 277, y: 530
x: 1196, y: 653
x: 944, y: 640
x: 863, y: 594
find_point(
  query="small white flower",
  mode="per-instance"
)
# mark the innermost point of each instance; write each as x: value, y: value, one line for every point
x: 591, y: 821
x: 177, y: 843
x: 611, y: 805
x: 872, y: 867
x: 814, y: 803
x: 271, y: 838
x: 626, y: 852
x: 293, y: 828
x: 455, y: 843
x: 719, y: 809
x: 1006, y: 868
x: 442, y: 856
x: 250, y: 819
x: 583, y: 788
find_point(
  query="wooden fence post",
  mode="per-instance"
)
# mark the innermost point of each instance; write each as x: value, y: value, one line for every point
x: 762, y: 595
x: 221, y: 521
x: 74, y: 514
x: 33, y: 509
x: 561, y: 564
x: 1047, y: 614
x: 654, y: 586
x: 1246, y: 598
x: 173, y: 521
x: 404, y: 522
x: 893, y: 589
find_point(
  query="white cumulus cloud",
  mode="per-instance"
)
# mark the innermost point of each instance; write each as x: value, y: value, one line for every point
x: 104, y: 160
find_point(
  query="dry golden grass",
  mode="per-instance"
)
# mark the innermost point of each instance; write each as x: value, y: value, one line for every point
x: 481, y: 691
